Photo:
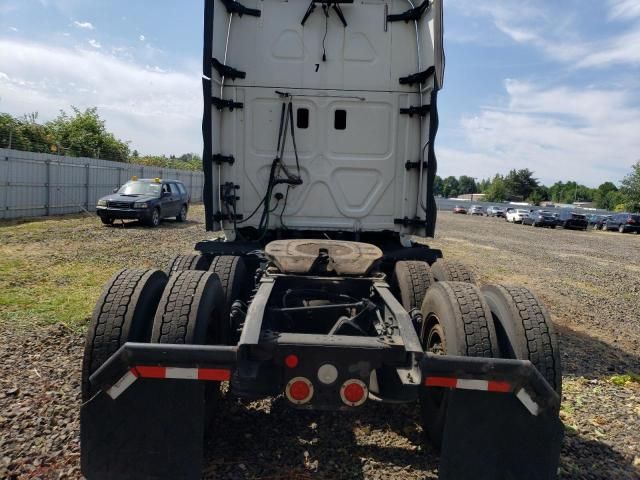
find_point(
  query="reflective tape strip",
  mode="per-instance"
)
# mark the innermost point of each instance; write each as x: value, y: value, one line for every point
x: 486, y: 386
x: 469, y: 384
x: 528, y: 402
x: 182, y: 373
x: 173, y: 373
x: 121, y: 385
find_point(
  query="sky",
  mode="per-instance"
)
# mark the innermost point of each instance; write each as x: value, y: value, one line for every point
x: 539, y: 84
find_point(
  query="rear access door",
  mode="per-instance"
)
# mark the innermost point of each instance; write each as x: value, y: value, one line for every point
x: 342, y: 85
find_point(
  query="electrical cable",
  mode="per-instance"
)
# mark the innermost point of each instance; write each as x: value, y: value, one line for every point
x: 325, y: 9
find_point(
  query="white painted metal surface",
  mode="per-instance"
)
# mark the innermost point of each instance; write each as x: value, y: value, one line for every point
x: 353, y: 170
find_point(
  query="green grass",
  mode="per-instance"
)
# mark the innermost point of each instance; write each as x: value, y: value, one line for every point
x: 623, y: 380
x: 34, y: 290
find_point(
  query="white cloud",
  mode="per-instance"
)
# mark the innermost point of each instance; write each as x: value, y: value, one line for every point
x: 13, y: 29
x: 141, y: 38
x: 560, y: 133
x: 95, y: 43
x: 158, y: 112
x: 84, y: 25
x: 624, y: 8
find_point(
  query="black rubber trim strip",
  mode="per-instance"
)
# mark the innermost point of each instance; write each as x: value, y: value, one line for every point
x: 221, y: 104
x: 236, y: 7
x: 227, y: 71
x: 219, y: 159
x: 411, y: 14
x: 207, y: 92
x: 422, y: 110
x: 419, y: 77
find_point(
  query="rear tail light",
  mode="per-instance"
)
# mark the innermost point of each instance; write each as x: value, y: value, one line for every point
x: 354, y: 392
x: 299, y: 390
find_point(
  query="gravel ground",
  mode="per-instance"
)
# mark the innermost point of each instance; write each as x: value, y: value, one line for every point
x: 589, y: 281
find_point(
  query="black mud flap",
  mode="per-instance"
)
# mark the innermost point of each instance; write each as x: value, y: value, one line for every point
x: 153, y: 430
x: 492, y: 436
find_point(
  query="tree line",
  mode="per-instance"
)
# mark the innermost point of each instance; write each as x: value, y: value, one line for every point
x: 81, y: 134
x: 521, y: 185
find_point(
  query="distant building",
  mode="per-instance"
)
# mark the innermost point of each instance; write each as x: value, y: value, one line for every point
x: 471, y: 197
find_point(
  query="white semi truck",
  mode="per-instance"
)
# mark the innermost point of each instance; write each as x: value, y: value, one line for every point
x: 319, y: 125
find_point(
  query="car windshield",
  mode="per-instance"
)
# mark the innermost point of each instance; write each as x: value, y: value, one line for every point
x: 523, y: 211
x: 140, y: 188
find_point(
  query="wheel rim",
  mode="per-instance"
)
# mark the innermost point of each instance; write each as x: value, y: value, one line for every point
x: 183, y: 213
x: 156, y: 217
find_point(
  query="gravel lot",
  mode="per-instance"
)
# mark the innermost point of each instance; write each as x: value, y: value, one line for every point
x: 588, y: 280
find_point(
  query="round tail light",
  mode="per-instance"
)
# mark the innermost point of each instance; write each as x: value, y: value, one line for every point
x: 354, y: 392
x: 299, y: 390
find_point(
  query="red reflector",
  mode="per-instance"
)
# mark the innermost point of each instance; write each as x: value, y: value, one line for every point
x: 151, y: 372
x: 496, y: 386
x: 291, y: 361
x: 299, y: 390
x: 353, y: 392
x: 441, y: 382
x: 214, y: 374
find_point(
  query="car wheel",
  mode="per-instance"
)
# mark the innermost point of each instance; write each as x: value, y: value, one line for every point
x: 621, y: 229
x: 106, y: 220
x: 154, y: 219
x: 182, y: 217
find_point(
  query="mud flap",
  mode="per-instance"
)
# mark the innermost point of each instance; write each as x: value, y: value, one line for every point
x: 492, y: 436
x: 155, y: 429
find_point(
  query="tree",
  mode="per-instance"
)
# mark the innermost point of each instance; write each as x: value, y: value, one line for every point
x: 607, y: 196
x: 520, y: 183
x: 466, y: 185
x: 437, y: 186
x: 540, y: 194
x: 497, y: 190
x: 631, y: 189
x: 83, y: 134
x: 450, y: 187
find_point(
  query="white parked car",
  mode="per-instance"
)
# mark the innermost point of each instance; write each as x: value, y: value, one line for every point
x: 516, y: 215
x: 476, y: 210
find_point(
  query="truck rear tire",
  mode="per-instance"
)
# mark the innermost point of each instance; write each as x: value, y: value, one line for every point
x: 445, y: 271
x: 235, y: 281
x: 410, y: 281
x: 123, y: 313
x: 190, y: 313
x: 188, y: 262
x: 524, y: 330
x: 457, y: 321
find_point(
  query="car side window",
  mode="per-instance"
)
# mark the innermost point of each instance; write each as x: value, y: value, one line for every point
x: 166, y: 188
x: 181, y: 188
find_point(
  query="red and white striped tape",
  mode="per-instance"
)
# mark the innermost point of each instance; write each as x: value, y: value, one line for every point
x: 485, y: 386
x: 175, y: 373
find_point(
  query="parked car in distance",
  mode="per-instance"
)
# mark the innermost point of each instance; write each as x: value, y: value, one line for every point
x: 623, y: 222
x: 597, y: 221
x: 516, y: 215
x: 147, y: 200
x: 495, y: 212
x: 459, y: 209
x: 476, y: 210
x: 569, y: 219
x: 540, y: 218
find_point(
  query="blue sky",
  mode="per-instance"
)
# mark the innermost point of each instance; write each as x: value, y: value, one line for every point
x: 545, y: 85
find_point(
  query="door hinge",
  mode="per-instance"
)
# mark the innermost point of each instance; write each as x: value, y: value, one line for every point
x: 414, y: 165
x: 219, y: 159
x: 221, y: 104
x: 422, y: 110
x: 227, y: 71
x: 419, y: 77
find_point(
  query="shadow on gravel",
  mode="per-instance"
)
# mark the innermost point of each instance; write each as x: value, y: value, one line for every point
x: 165, y: 224
x: 584, y: 459
x: 274, y: 441
x: 585, y: 356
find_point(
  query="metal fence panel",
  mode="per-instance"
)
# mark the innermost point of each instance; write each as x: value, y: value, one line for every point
x: 37, y: 184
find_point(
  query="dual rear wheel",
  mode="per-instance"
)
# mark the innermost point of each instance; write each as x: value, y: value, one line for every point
x: 458, y: 318
x: 191, y: 306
